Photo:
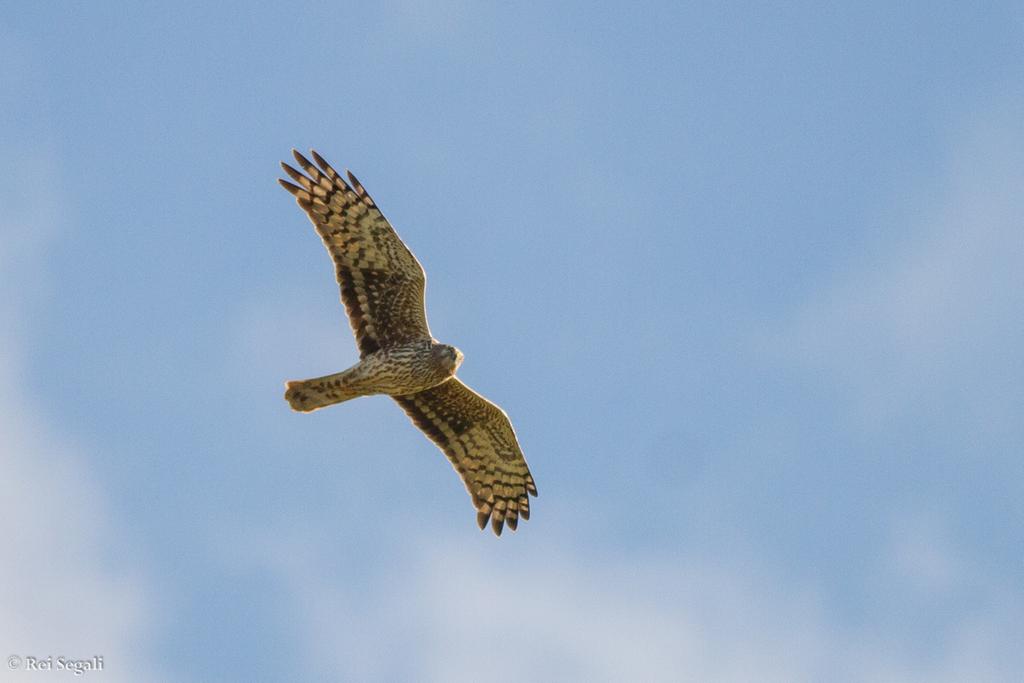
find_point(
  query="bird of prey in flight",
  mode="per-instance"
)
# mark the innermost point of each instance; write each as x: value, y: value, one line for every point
x: 382, y: 287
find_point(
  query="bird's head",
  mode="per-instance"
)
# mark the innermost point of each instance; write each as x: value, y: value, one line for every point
x: 449, y: 355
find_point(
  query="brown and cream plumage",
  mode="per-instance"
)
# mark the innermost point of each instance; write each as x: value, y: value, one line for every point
x: 382, y: 287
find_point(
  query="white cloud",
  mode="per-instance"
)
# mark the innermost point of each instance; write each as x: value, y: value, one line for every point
x: 66, y: 587
x: 445, y: 613
x: 936, y: 315
x: 922, y: 556
x: 448, y: 615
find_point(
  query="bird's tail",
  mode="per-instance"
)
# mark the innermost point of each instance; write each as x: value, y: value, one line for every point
x: 312, y: 394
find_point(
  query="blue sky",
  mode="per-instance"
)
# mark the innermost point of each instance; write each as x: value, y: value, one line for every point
x: 748, y: 280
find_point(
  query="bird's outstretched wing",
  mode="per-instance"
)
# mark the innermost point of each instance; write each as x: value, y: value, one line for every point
x: 478, y: 439
x: 382, y: 283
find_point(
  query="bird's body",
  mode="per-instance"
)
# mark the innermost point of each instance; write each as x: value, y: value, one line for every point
x: 382, y: 286
x: 397, y: 371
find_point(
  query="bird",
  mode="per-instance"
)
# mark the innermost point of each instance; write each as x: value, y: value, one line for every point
x: 382, y: 289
